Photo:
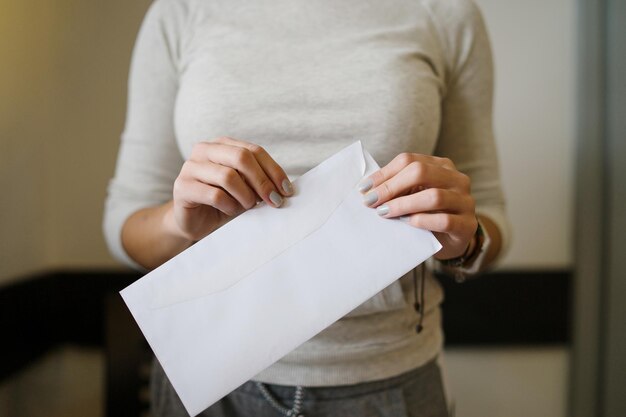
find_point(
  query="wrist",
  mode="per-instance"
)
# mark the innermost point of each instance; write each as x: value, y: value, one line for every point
x: 170, y: 225
x: 471, y: 246
x: 471, y: 262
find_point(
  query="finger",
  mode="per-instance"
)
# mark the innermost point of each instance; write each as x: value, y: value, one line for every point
x: 430, y: 200
x: 193, y: 193
x: 267, y: 163
x: 415, y: 177
x: 226, y: 178
x: 398, y: 164
x: 439, y: 222
x: 245, y: 163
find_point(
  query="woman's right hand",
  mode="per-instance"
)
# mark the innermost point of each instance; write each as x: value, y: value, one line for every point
x: 222, y: 179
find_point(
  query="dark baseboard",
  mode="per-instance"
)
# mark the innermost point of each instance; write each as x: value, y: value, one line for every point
x: 508, y: 308
x: 503, y: 308
x: 43, y: 311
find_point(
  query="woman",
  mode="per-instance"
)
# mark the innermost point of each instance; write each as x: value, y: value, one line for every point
x: 228, y: 100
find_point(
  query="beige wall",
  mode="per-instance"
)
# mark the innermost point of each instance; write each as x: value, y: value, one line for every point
x: 534, y: 45
x: 26, y: 56
x: 66, y: 382
x: 63, y: 87
x: 508, y: 381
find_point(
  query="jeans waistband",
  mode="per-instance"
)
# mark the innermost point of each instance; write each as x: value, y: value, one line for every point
x: 285, y: 392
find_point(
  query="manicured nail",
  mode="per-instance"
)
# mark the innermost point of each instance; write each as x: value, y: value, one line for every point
x: 365, y: 185
x: 276, y: 199
x: 287, y: 187
x: 370, y: 198
x: 383, y: 210
x: 404, y: 219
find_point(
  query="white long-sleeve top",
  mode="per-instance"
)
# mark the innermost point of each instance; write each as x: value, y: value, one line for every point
x: 305, y: 78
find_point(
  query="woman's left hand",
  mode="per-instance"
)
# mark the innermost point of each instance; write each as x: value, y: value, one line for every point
x: 430, y: 193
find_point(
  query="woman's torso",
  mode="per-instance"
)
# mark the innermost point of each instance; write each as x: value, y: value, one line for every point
x: 305, y: 79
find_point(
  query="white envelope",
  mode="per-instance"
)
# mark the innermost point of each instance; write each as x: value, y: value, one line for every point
x: 246, y: 295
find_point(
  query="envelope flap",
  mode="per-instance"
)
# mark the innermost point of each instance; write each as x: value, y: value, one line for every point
x: 220, y: 262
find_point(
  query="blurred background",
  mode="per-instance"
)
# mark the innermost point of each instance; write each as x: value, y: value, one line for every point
x: 543, y: 335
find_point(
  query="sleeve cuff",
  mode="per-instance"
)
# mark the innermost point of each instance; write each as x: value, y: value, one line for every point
x: 114, y: 219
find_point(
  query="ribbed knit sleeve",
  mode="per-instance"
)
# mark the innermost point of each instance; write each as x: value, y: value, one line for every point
x: 148, y: 159
x: 466, y: 131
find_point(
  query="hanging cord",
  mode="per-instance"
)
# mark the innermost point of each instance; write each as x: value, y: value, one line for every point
x: 295, y: 411
x: 419, y: 304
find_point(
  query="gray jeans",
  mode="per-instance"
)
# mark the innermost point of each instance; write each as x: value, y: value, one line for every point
x: 417, y: 393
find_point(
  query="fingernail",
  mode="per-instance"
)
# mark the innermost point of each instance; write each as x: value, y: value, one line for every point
x: 276, y: 199
x: 383, y: 210
x: 370, y: 198
x: 404, y: 219
x: 287, y: 187
x: 365, y: 185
